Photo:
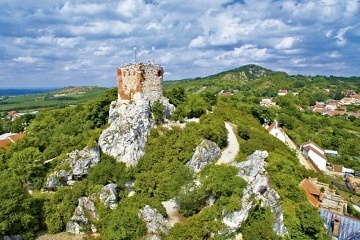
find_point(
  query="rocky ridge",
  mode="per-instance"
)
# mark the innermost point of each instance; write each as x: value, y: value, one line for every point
x: 205, y: 153
x: 85, y: 212
x: 155, y: 223
x: 130, y: 124
x: 258, y: 189
x: 79, y: 163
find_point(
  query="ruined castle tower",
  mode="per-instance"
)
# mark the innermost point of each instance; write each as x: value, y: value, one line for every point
x: 138, y: 80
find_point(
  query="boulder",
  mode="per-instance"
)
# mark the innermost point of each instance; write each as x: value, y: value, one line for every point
x: 108, y: 195
x: 168, y: 107
x: 56, y: 179
x: 81, y: 161
x: 253, y: 171
x: 130, y: 124
x: 84, y: 213
x: 155, y: 222
x: 204, y: 154
x: 78, y: 163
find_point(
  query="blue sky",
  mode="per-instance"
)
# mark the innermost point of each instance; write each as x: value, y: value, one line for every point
x: 59, y: 43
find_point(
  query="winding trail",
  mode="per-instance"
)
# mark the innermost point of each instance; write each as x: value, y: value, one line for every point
x: 173, y: 215
x: 229, y: 154
x: 299, y: 154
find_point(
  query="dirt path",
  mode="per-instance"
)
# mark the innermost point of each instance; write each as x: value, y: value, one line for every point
x: 173, y: 214
x: 229, y: 154
x: 200, y: 90
x: 299, y: 154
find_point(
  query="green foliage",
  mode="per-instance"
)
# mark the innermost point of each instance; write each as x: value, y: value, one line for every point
x: 200, y: 226
x: 191, y: 199
x: 28, y: 165
x: 107, y: 171
x: 213, y: 128
x: 60, y: 207
x: 79, y: 95
x: 124, y: 223
x: 260, y: 219
x: 18, y: 211
x: 20, y: 123
x: 157, y: 109
x: 176, y: 96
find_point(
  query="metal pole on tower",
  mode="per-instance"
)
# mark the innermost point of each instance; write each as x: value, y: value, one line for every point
x: 135, y: 53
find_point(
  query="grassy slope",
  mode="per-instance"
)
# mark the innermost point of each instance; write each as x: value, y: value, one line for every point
x: 62, y: 97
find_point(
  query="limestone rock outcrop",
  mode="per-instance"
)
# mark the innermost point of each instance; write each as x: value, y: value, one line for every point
x: 155, y: 222
x: 204, y: 154
x: 83, y: 215
x: 253, y: 171
x: 108, y: 195
x: 126, y: 137
x: 56, y: 179
x: 78, y: 163
x: 168, y: 107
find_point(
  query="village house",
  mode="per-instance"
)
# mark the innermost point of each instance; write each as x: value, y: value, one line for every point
x: 348, y: 93
x: 267, y: 102
x: 282, y: 92
x: 9, y: 138
x: 322, y: 196
x: 353, y: 183
x: 315, y: 154
x: 275, y: 130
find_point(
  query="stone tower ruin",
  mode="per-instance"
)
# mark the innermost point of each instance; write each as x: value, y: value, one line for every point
x: 138, y: 80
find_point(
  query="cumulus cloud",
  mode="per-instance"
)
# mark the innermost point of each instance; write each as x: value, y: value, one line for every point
x: 82, y: 43
x: 25, y: 59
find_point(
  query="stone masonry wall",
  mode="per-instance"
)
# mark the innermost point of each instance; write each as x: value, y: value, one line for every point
x: 140, y: 80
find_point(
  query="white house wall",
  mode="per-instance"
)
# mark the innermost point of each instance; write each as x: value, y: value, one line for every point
x: 318, y: 160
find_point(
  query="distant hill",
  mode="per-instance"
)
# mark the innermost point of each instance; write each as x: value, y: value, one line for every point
x: 261, y: 79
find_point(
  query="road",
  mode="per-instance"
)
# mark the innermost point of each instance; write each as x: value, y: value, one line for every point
x: 299, y: 154
x: 229, y: 154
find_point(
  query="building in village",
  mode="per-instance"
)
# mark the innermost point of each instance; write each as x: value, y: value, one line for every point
x: 275, y: 130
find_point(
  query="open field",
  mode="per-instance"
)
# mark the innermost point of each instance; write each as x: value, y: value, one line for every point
x: 60, y: 98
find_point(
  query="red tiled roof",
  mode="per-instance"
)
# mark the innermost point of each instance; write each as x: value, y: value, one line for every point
x: 16, y: 137
x: 271, y: 127
x: 312, y: 143
x: 5, y: 143
x: 311, y: 192
x: 11, y: 139
x: 282, y: 91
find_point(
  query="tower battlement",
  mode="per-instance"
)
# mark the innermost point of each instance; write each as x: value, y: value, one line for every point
x: 139, y: 80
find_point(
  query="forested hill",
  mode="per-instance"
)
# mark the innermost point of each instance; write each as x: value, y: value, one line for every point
x: 43, y: 190
x: 265, y: 82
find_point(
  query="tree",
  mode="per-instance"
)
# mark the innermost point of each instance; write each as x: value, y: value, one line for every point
x: 20, y: 123
x: 28, y: 165
x: 18, y: 211
x: 158, y: 111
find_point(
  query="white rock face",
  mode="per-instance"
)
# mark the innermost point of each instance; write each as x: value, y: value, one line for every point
x: 253, y: 171
x: 126, y: 137
x: 108, y: 195
x: 204, y: 154
x: 80, y: 219
x: 155, y: 222
x: 79, y: 162
x: 56, y: 179
x: 168, y: 107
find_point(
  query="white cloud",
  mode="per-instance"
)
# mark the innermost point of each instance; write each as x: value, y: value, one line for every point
x: 87, y: 40
x: 25, y: 59
x: 286, y: 43
x: 199, y: 41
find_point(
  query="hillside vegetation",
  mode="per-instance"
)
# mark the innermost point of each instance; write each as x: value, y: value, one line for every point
x: 161, y: 173
x: 56, y: 99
